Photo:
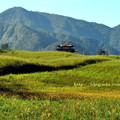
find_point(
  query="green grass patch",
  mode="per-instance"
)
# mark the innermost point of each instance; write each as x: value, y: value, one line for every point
x: 72, y: 86
x: 82, y: 109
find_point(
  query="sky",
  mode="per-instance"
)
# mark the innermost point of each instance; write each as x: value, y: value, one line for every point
x: 100, y: 11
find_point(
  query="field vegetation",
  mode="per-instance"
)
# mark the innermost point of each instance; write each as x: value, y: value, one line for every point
x: 59, y: 86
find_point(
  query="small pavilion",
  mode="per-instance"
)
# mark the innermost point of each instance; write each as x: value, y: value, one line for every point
x: 66, y: 47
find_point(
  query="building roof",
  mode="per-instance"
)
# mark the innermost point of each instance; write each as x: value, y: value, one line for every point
x: 65, y: 44
x: 66, y: 47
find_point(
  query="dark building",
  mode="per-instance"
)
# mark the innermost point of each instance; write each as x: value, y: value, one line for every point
x: 66, y: 47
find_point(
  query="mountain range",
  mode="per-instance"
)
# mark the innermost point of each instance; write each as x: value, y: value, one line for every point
x: 38, y: 31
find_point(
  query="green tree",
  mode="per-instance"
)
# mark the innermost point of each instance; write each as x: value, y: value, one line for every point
x: 4, y: 46
x: 101, y: 52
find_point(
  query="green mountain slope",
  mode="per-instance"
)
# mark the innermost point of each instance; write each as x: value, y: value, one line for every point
x: 55, y: 23
x: 21, y: 37
x: 115, y: 38
x: 84, y: 35
x: 24, y: 38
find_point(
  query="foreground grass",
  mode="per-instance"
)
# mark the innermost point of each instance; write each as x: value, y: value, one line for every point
x: 90, y: 90
x: 82, y: 109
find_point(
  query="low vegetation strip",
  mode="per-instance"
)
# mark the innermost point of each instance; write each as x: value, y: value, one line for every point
x: 54, y: 96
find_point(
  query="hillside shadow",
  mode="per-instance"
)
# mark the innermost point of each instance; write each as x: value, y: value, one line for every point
x: 3, y: 89
x: 31, y: 68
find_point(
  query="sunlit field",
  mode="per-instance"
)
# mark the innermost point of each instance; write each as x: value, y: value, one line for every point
x: 59, y: 86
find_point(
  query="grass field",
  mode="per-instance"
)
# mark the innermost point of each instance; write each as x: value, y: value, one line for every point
x: 59, y: 86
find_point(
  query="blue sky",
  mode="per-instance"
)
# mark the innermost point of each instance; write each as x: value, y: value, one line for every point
x: 100, y: 11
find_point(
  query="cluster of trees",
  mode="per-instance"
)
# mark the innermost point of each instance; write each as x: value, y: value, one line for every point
x: 4, y: 46
x: 101, y: 52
